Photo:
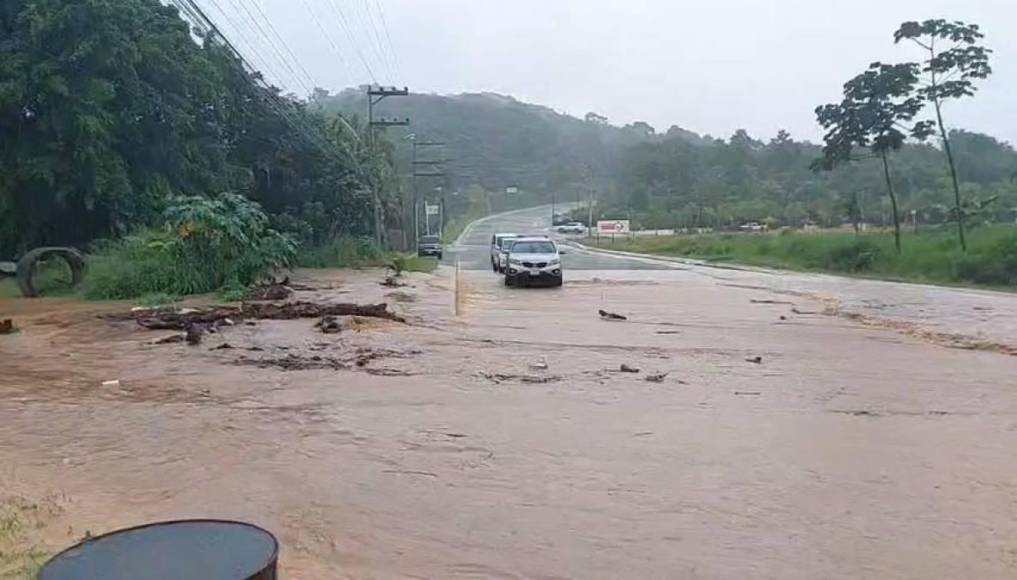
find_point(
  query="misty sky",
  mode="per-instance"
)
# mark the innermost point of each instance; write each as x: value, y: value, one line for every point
x: 711, y: 66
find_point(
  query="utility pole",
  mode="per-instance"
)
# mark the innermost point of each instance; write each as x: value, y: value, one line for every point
x: 426, y: 168
x: 376, y: 95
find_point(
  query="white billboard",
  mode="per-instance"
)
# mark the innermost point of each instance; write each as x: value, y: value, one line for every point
x: 431, y: 209
x: 612, y: 227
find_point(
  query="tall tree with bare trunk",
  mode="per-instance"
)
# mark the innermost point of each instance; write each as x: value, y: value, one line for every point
x: 874, y: 115
x: 955, y: 60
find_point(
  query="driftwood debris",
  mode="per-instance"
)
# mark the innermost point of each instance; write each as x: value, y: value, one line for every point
x: 173, y: 320
x: 329, y: 325
x: 270, y: 292
x: 611, y: 315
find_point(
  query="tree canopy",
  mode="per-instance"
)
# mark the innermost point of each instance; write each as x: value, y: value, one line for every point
x: 108, y: 108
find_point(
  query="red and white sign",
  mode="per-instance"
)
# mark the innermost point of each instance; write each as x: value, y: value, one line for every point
x: 610, y: 227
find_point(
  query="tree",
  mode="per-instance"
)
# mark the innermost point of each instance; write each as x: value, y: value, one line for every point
x: 852, y: 208
x: 950, y: 75
x: 876, y: 106
x: 109, y: 109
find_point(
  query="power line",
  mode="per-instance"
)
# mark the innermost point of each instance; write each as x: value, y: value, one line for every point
x: 328, y: 37
x: 342, y: 119
x: 382, y: 56
x: 282, y: 42
x: 278, y: 54
x: 271, y: 99
x: 241, y: 33
x: 337, y: 11
x: 395, y: 55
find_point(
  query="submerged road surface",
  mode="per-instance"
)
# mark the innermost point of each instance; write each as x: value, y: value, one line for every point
x: 770, y: 431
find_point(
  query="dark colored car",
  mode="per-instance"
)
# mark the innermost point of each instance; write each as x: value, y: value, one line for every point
x: 429, y: 246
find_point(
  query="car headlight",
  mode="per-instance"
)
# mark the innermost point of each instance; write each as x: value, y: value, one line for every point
x: 554, y: 261
x: 514, y: 261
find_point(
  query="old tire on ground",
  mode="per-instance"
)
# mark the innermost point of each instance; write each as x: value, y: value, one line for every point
x: 26, y: 267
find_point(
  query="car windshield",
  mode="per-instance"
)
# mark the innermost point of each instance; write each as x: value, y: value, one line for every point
x: 430, y: 240
x: 533, y: 248
x: 505, y: 242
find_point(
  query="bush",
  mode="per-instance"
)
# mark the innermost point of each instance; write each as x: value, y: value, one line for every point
x: 993, y: 264
x: 204, y: 244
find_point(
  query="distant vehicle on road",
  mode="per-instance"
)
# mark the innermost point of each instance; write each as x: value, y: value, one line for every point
x: 429, y: 246
x: 572, y: 228
x: 499, y: 246
x: 533, y: 260
x: 752, y: 227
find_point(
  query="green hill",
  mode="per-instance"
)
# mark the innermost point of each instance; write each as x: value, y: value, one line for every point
x: 496, y: 141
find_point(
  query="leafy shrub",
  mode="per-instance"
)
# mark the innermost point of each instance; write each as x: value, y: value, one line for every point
x: 205, y: 243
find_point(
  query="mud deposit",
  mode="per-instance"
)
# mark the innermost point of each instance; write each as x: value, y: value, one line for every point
x: 754, y: 442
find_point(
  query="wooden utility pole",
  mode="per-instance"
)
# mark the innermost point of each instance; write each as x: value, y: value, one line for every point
x: 376, y: 95
x: 425, y: 168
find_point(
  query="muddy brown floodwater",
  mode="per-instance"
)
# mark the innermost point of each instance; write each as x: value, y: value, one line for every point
x: 505, y: 443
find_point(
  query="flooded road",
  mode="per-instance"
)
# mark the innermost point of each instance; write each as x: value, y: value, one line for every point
x: 506, y: 443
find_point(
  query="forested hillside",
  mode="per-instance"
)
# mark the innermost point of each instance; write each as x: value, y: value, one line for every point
x: 679, y: 178
x: 725, y: 183
x: 496, y: 141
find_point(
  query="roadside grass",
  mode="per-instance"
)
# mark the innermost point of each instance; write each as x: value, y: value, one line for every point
x: 347, y: 252
x: 9, y: 289
x: 928, y: 257
x: 21, y: 547
x: 343, y: 252
x: 414, y: 263
x: 456, y: 226
x: 52, y: 278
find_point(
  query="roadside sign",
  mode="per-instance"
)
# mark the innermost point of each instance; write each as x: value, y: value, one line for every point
x: 611, y: 227
x: 431, y: 209
x: 511, y: 190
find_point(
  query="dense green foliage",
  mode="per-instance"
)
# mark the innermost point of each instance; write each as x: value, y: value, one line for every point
x: 203, y: 245
x: 724, y: 184
x: 109, y: 108
x: 931, y: 256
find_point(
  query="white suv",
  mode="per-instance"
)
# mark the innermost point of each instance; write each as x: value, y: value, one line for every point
x: 499, y: 246
x: 533, y: 260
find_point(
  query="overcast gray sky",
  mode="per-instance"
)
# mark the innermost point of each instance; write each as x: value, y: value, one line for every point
x: 711, y: 66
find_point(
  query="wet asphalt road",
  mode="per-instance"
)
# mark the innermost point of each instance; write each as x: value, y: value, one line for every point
x: 473, y: 249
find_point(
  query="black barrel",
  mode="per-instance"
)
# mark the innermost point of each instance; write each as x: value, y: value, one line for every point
x: 198, y: 549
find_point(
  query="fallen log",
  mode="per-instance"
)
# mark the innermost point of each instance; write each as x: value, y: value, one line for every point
x: 174, y: 320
